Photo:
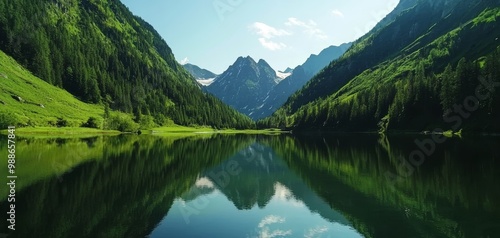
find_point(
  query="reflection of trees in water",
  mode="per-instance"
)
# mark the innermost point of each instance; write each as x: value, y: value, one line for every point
x: 123, y: 191
x: 124, y: 180
x: 454, y: 184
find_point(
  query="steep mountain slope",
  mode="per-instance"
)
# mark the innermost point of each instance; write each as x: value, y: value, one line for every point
x: 101, y: 53
x: 203, y: 76
x: 315, y: 63
x: 245, y: 84
x: 393, y: 76
x: 299, y: 77
x: 27, y: 100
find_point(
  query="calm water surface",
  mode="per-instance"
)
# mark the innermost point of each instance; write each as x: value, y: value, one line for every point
x: 254, y: 186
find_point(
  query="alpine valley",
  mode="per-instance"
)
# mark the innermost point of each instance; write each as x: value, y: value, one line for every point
x: 416, y: 70
x: 396, y: 134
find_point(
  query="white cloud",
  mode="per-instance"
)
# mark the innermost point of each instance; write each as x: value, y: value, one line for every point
x: 310, y: 28
x: 292, y: 21
x: 184, y: 61
x: 267, y: 33
x: 271, y: 45
x: 338, y: 13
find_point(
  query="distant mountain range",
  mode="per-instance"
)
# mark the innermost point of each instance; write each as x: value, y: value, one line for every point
x: 257, y: 90
x: 202, y: 76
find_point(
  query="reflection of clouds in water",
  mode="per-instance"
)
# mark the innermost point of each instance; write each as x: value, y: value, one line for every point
x: 181, y: 202
x: 204, y: 183
x: 314, y: 232
x: 265, y: 232
x: 271, y: 220
x: 282, y: 193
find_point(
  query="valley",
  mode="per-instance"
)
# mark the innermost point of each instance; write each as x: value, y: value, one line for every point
x: 250, y: 118
x: 359, y: 86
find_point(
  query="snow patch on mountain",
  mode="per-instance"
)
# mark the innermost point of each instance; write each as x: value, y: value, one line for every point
x: 205, y: 82
x: 282, y: 75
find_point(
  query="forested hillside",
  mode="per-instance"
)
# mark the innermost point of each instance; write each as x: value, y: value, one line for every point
x: 417, y: 72
x: 102, y: 54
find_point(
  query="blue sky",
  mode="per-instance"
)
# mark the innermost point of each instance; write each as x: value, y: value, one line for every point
x: 214, y: 33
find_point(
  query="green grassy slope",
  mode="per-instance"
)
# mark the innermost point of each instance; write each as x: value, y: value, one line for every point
x: 16, y: 81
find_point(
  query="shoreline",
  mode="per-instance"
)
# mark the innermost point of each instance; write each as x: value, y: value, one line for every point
x: 177, y: 130
x: 172, y: 130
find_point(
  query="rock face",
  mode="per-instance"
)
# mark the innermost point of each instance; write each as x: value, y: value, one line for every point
x: 257, y: 90
x: 245, y: 84
x: 199, y: 73
x: 299, y: 77
x: 17, y: 98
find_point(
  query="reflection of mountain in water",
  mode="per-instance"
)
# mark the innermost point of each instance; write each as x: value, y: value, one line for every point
x: 262, y: 176
x: 124, y: 186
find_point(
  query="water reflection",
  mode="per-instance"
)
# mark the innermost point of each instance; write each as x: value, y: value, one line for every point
x: 253, y: 186
x: 252, y: 194
x: 453, y: 194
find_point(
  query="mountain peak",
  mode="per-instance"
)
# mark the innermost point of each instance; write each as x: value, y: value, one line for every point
x: 245, y: 58
x: 245, y: 84
x: 261, y: 61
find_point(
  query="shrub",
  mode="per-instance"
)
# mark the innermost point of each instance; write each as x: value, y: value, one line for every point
x: 147, y: 122
x: 61, y: 122
x: 121, y: 123
x: 163, y: 121
x: 92, y: 122
x: 8, y: 119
